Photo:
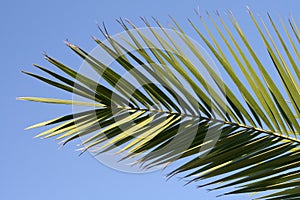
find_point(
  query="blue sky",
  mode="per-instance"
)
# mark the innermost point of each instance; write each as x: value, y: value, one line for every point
x: 32, y: 169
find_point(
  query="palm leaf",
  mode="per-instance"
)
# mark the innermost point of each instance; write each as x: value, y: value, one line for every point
x: 253, y: 141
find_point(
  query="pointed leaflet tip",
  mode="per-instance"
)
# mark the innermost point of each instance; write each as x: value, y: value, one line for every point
x: 69, y: 45
x: 102, y: 31
x: 44, y: 53
x: 25, y: 72
x: 94, y: 38
x: 97, y: 23
x: 82, y: 152
x: 19, y: 98
x: 155, y: 19
x: 157, y: 22
x: 229, y: 12
x: 207, y: 13
x: 146, y: 22
x: 196, y: 11
x: 118, y: 20
x: 220, y: 195
x: 98, y: 26
x: 190, y: 21
x: 35, y: 65
x: 143, y: 19
x: 249, y: 10
x: 60, y: 147
x: 129, y: 22
x: 172, y: 18
x: 67, y: 42
x: 105, y: 29
x: 121, y: 22
x: 72, y: 46
x: 48, y: 58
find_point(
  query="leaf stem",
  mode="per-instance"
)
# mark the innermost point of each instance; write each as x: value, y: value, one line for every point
x: 269, y: 132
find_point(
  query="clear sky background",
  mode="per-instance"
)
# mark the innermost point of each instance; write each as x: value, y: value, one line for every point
x: 31, y: 169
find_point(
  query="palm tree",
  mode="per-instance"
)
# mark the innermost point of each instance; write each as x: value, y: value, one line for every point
x: 253, y: 121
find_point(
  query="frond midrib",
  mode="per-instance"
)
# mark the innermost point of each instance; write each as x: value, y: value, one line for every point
x: 239, y: 125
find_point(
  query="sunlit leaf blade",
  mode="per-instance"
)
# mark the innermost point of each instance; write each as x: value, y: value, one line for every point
x: 60, y: 101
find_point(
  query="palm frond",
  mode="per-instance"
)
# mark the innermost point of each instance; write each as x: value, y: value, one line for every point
x: 247, y: 140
